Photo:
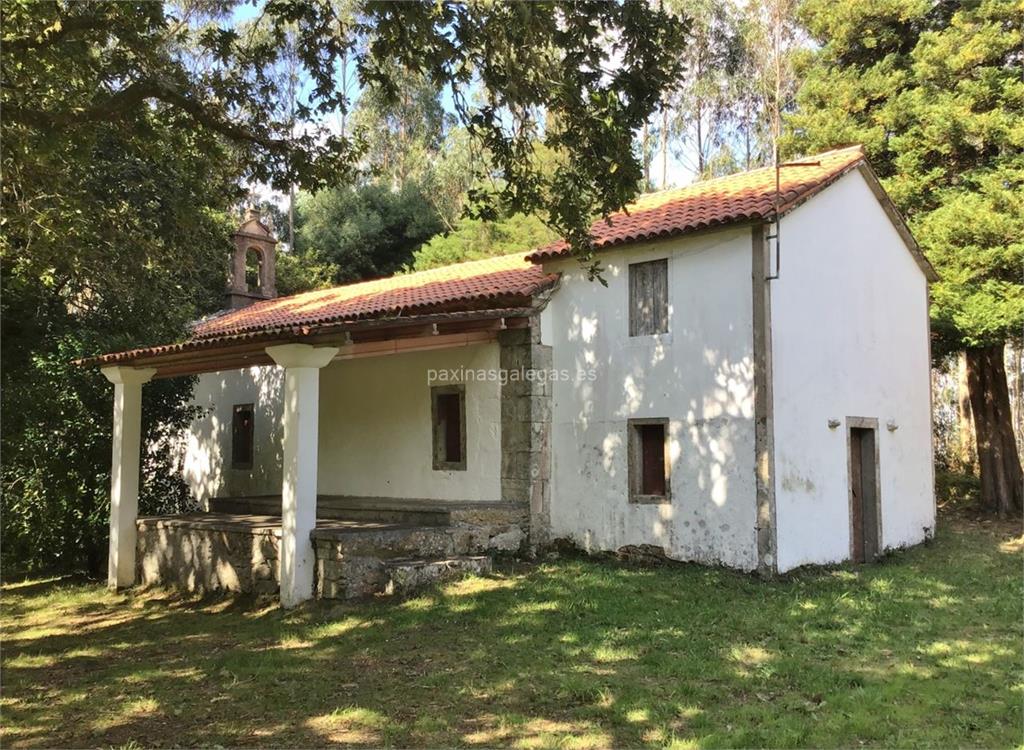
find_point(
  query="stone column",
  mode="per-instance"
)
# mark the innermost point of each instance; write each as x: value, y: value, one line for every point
x: 526, y: 426
x: 124, y: 471
x: 301, y: 420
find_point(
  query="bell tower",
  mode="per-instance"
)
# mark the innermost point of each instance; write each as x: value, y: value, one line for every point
x: 252, y: 275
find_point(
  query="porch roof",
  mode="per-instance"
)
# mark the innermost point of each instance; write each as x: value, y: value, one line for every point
x: 506, y: 281
x: 455, y: 304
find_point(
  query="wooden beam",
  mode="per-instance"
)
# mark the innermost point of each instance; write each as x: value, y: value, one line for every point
x: 385, y: 347
x: 354, y: 339
x: 356, y: 350
x: 211, y: 365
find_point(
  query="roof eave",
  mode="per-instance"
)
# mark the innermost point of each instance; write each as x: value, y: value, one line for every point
x: 239, y: 350
x: 898, y: 221
x: 861, y: 165
x: 663, y: 236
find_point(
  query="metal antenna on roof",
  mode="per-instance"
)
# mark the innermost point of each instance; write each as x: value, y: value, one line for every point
x: 776, y: 53
x: 777, y: 12
x: 776, y: 234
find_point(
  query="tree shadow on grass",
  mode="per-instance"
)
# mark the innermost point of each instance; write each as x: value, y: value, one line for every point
x: 602, y: 653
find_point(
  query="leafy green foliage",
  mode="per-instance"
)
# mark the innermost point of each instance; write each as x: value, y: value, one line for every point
x: 403, y: 135
x: 365, y: 232
x: 547, y: 72
x: 473, y: 239
x: 704, y: 112
x: 935, y: 93
x: 70, y: 66
x: 107, y: 244
x: 301, y: 272
x: 597, y: 68
x: 976, y: 239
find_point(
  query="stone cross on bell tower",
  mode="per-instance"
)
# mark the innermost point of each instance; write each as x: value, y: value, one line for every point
x: 253, y: 263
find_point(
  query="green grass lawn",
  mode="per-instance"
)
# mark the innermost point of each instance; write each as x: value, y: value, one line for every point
x: 921, y: 650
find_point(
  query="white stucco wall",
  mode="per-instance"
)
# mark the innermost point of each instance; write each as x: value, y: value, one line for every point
x: 699, y: 375
x: 376, y: 434
x: 207, y: 460
x: 375, y: 429
x: 849, y: 339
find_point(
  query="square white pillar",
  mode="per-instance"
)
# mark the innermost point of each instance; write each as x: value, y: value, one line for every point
x: 301, y: 423
x: 124, y: 471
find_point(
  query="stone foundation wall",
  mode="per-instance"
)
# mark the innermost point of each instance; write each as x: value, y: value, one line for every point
x: 203, y: 553
x: 201, y: 556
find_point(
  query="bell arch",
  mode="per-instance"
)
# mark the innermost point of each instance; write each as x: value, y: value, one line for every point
x: 252, y: 277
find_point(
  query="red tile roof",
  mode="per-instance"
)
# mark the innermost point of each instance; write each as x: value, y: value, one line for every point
x: 506, y: 281
x: 740, y: 197
x: 511, y: 281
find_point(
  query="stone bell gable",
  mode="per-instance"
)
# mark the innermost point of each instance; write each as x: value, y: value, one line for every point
x: 255, y: 254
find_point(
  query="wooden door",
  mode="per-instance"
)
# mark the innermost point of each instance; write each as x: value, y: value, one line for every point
x: 863, y: 494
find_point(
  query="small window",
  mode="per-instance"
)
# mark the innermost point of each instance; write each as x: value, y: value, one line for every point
x: 649, y: 465
x: 448, y: 411
x: 241, y: 436
x: 648, y: 298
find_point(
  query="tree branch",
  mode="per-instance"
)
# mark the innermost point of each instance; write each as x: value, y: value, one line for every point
x: 68, y: 27
x: 118, y: 105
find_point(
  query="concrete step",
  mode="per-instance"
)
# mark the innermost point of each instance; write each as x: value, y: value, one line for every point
x: 261, y: 506
x: 402, y: 576
x: 410, y: 516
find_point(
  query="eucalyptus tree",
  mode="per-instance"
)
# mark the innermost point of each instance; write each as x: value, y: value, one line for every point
x: 703, y: 111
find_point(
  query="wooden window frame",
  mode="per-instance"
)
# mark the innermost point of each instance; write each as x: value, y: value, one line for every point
x: 635, y: 321
x: 244, y: 465
x: 437, y: 439
x: 635, y: 459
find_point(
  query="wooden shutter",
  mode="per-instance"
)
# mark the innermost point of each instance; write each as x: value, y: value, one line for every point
x: 448, y: 412
x: 242, y: 436
x: 448, y: 408
x: 652, y: 450
x: 648, y: 298
x: 649, y: 469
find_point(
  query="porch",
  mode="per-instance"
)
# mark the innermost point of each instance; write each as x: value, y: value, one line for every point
x: 386, y: 426
x: 362, y: 546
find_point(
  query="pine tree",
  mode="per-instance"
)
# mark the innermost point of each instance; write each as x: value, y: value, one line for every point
x: 935, y: 92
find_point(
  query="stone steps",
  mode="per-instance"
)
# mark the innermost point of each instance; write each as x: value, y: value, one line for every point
x: 404, y: 576
x: 354, y: 577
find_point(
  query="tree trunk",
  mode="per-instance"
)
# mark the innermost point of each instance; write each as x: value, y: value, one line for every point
x: 664, y: 145
x: 700, y: 143
x: 967, y: 447
x: 747, y: 125
x: 1016, y: 360
x: 1002, y: 481
x: 645, y: 146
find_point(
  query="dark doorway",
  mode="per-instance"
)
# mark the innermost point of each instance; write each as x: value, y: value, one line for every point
x: 863, y: 494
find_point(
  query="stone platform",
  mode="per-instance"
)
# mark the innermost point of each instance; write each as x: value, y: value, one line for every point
x: 360, y: 556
